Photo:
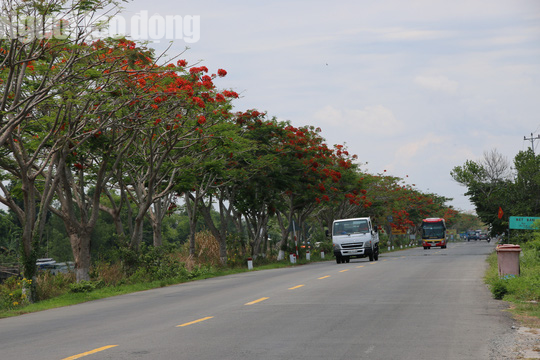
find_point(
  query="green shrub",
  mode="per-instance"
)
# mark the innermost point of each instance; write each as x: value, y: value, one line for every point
x: 11, y: 293
x: 499, y: 289
x: 533, y: 248
x: 110, y: 274
x: 82, y: 287
x: 49, y: 285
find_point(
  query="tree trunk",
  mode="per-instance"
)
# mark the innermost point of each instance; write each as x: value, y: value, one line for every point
x: 156, y: 214
x: 115, y: 211
x: 223, y: 252
x: 80, y: 244
x: 221, y: 238
x: 236, y: 218
x: 258, y: 233
x: 156, y: 227
x: 136, y: 237
x: 192, y: 216
x: 284, y: 235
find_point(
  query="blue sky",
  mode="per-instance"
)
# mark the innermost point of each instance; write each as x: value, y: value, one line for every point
x: 413, y: 87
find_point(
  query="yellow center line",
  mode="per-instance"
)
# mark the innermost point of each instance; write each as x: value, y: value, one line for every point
x: 324, y: 277
x: 344, y: 270
x: 371, y: 263
x: 361, y: 266
x: 196, y: 321
x: 296, y: 287
x: 256, y: 301
x: 89, y: 352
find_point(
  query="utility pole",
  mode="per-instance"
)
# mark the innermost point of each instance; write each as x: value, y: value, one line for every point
x: 532, y: 138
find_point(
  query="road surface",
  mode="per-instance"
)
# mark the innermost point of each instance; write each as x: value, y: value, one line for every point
x: 411, y: 304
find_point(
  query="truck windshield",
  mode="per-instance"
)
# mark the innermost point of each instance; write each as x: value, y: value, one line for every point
x: 350, y: 227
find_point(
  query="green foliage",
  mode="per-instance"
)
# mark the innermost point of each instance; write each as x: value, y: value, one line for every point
x: 151, y: 264
x: 490, y: 185
x: 534, y: 247
x: 326, y: 246
x: 49, y: 286
x: 11, y: 300
x: 236, y: 251
x: 9, y: 231
x: 499, y: 289
x: 82, y: 287
x: 464, y: 222
x: 527, y: 184
x: 521, y: 237
x: 12, y: 295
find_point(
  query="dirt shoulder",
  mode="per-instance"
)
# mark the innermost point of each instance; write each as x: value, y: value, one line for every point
x: 522, y: 341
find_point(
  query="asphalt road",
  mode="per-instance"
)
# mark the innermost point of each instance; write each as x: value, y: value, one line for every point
x: 411, y: 304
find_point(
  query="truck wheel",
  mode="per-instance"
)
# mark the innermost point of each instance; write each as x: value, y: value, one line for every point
x: 376, y: 255
x: 371, y: 257
x: 347, y: 259
x: 338, y: 259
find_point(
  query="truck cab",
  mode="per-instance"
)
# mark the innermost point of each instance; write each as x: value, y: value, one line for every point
x: 355, y: 238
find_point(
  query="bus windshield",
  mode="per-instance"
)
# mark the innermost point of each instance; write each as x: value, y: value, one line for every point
x: 433, y: 230
x: 350, y: 227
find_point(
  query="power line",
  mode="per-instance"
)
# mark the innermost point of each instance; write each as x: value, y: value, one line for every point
x: 532, y: 139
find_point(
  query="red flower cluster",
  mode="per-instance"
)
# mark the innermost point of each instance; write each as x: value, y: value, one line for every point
x: 230, y: 94
x: 196, y: 70
x: 198, y: 101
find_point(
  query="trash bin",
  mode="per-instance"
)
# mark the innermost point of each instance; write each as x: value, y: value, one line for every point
x: 508, y: 259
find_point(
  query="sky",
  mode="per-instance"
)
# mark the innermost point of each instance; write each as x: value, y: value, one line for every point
x: 412, y: 87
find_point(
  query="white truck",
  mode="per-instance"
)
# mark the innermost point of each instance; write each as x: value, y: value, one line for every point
x: 355, y: 237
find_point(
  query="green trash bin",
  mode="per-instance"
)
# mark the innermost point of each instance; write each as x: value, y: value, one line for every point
x: 508, y: 259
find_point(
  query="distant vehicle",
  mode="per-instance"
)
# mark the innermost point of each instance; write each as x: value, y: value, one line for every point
x: 484, y: 237
x: 433, y: 233
x: 45, y: 264
x: 49, y: 264
x: 472, y: 236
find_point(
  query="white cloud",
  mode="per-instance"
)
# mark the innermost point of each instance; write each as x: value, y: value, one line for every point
x: 429, y: 144
x: 437, y: 83
x: 406, y: 34
x: 373, y: 120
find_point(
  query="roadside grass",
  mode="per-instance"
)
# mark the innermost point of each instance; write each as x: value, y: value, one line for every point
x: 95, y: 290
x: 69, y: 298
x: 523, y: 291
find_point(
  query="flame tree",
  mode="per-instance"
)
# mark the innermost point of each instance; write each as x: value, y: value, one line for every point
x: 40, y: 62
